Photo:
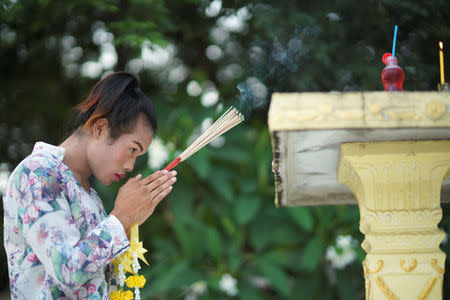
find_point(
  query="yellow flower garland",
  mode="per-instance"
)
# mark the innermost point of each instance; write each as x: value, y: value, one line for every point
x: 121, y: 295
x: 127, y: 262
x: 135, y: 281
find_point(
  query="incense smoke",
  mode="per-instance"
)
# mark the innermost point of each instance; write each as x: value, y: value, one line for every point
x: 271, y: 63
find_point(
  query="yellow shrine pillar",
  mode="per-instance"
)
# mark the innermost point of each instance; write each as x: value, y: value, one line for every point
x: 398, y: 188
x: 391, y: 152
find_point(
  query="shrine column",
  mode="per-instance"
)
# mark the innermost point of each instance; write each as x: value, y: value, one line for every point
x: 398, y: 188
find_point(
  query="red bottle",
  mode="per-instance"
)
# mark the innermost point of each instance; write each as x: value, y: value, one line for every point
x: 392, y: 75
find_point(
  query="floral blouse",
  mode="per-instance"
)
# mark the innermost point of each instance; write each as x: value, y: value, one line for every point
x: 58, y: 239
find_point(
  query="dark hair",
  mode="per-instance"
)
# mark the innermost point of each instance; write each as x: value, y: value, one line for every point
x: 118, y: 98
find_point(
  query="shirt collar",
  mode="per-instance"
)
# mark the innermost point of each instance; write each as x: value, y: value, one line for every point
x: 49, y: 150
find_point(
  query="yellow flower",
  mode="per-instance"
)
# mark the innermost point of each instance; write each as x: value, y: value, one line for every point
x: 126, y: 262
x: 121, y: 295
x: 128, y: 295
x: 135, y: 281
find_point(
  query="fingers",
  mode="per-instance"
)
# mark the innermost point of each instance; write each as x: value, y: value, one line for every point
x: 160, y: 181
x: 134, y: 179
x: 159, y: 189
x: 161, y: 195
x: 153, y: 177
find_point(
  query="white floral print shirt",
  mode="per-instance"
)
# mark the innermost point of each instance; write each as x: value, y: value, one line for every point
x: 58, y: 239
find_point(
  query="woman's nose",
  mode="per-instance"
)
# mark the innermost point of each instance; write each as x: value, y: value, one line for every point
x: 129, y: 165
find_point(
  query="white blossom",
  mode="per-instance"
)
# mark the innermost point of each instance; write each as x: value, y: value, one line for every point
x: 206, y: 123
x: 214, y: 52
x: 219, y: 35
x: 100, y: 35
x: 4, y: 177
x: 343, y: 253
x: 108, y: 56
x: 344, y: 241
x: 178, y: 74
x: 333, y: 17
x: 195, y: 290
x: 199, y: 287
x: 445, y: 240
x: 157, y: 154
x: 229, y: 72
x: 228, y: 284
x: 210, y: 97
x: 135, y: 65
x: 231, y: 23
x: 218, y: 142
x: 193, y: 88
x: 214, y: 8
x: 91, y: 69
x: 154, y: 56
x: 235, y: 22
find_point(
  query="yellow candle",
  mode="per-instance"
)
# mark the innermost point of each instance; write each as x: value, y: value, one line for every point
x: 441, y: 61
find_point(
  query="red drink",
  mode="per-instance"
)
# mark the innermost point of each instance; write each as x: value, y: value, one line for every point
x: 392, y: 75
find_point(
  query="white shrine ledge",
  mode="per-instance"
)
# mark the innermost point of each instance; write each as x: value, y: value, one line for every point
x: 307, y: 130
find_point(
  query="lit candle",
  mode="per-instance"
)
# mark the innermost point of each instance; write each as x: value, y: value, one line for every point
x: 441, y: 61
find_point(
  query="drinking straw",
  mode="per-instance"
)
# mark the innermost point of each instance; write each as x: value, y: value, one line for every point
x: 395, y: 40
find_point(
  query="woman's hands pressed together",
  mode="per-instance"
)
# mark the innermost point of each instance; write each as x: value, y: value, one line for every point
x: 138, y: 198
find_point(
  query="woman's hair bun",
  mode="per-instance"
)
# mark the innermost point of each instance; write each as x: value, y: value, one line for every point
x: 118, y: 98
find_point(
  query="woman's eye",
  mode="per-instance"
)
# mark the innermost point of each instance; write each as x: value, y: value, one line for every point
x: 133, y: 150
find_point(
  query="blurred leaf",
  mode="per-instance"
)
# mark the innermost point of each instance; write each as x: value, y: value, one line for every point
x: 283, y: 258
x: 248, y: 185
x: 305, y: 287
x: 165, y: 246
x: 220, y: 182
x: 260, y: 232
x: 312, y: 254
x: 235, y: 257
x: 325, y: 214
x: 167, y: 279
x: 180, y: 202
x: 245, y: 208
x: 302, y: 217
x: 232, y: 154
x: 229, y: 226
x: 345, y: 286
x: 214, y: 243
x: 200, y: 163
x: 276, y: 275
x: 286, y: 234
x: 248, y: 292
x: 189, y: 240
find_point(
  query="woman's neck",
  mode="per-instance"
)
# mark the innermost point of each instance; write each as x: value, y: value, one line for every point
x: 76, y: 159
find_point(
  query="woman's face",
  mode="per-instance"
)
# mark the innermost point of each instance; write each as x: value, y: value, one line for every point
x: 109, y: 160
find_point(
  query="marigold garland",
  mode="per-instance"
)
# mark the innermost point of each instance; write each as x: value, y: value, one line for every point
x: 135, y: 281
x: 128, y: 263
x: 121, y: 295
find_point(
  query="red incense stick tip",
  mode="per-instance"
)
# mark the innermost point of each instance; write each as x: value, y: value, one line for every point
x: 173, y: 164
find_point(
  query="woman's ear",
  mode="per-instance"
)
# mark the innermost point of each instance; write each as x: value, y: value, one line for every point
x: 100, y: 128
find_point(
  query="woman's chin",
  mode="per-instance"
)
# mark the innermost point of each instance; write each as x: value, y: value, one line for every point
x: 106, y: 181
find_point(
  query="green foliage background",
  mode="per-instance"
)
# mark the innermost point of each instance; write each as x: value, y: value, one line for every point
x: 220, y: 218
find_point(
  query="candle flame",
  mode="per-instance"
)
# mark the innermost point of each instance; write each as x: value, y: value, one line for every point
x: 441, y: 45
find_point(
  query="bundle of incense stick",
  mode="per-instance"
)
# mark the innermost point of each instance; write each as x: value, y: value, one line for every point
x: 228, y: 120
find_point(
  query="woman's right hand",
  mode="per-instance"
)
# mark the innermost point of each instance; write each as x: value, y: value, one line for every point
x: 138, y: 198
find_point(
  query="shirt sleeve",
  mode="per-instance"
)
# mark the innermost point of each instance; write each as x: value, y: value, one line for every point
x: 48, y: 225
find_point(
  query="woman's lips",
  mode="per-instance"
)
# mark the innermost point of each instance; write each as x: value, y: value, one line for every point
x: 117, y: 177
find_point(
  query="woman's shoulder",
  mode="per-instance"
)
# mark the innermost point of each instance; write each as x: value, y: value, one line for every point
x: 37, y: 166
x: 36, y: 163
